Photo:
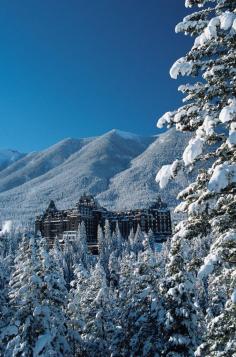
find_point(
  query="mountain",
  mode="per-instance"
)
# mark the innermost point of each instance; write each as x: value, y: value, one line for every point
x: 136, y: 186
x: 118, y: 168
x: 7, y: 157
x: 36, y: 164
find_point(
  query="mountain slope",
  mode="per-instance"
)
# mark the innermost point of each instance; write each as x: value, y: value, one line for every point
x: 89, y: 169
x: 7, y: 157
x: 38, y: 163
x: 136, y: 186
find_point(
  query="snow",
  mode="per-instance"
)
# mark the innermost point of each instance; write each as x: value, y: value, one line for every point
x: 228, y: 113
x: 213, y: 71
x: 126, y: 134
x: 158, y: 247
x: 226, y: 20
x: 181, y: 67
x: 234, y: 25
x: 11, y: 330
x: 200, y: 40
x: 208, y: 267
x: 9, y: 156
x: 37, y: 311
x: 43, y: 340
x: 229, y: 236
x: 193, y: 150
x: 207, y: 128
x: 231, y: 141
x: 210, y: 31
x: 223, y: 175
x: 164, y: 175
x: 233, y: 297
x: 6, y: 228
x: 165, y: 119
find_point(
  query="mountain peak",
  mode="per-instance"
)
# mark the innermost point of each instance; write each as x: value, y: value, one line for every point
x: 124, y: 134
x: 8, y: 156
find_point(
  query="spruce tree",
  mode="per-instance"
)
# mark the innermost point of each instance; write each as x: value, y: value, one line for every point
x: 180, y: 329
x: 96, y: 312
x: 137, y: 245
x: 51, y: 311
x: 209, y: 112
x: 24, y: 293
x: 83, y: 246
x: 139, y: 312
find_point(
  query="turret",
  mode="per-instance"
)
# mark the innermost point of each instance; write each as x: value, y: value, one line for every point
x: 51, y: 207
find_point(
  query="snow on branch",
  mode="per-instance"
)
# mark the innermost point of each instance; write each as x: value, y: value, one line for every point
x: 181, y: 67
x: 165, y: 119
x: 168, y: 172
x: 225, y: 22
x: 223, y: 175
x: 231, y: 141
x: 193, y: 150
x: 228, y: 113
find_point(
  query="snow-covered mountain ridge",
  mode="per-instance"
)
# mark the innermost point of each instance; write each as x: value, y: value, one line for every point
x: 7, y: 157
x: 118, y: 168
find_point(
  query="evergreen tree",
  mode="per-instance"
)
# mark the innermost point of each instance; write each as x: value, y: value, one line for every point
x: 139, y: 311
x: 117, y: 241
x: 57, y: 253
x: 180, y: 329
x: 114, y: 270
x: 108, y: 237
x: 80, y: 251
x: 77, y: 322
x: 209, y: 113
x: 137, y: 245
x: 83, y: 246
x: 68, y: 262
x: 24, y: 293
x: 53, y: 339
x: 104, y: 250
x: 151, y: 239
x: 96, y: 311
x: 5, y: 311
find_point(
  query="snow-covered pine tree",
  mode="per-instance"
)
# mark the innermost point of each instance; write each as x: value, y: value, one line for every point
x: 139, y: 311
x: 68, y: 262
x: 104, y: 250
x: 80, y: 249
x: 83, y: 246
x: 108, y: 236
x: 114, y: 270
x: 151, y: 239
x: 95, y: 305
x: 137, y: 246
x: 57, y: 253
x: 103, y: 324
x: 180, y: 330
x: 120, y: 340
x: 209, y: 113
x: 5, y: 311
x: 53, y: 339
x: 22, y: 331
x: 117, y: 241
x: 129, y: 242
x: 77, y: 322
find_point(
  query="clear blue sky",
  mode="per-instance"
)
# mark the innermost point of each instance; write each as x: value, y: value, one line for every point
x: 77, y: 68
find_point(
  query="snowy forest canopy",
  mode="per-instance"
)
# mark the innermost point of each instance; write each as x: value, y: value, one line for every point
x: 65, y: 301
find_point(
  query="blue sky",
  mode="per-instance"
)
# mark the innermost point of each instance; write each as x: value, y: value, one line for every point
x: 82, y: 67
